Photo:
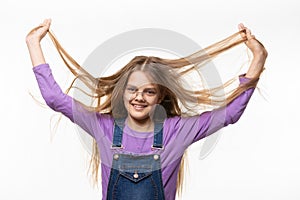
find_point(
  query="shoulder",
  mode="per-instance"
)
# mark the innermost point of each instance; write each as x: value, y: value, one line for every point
x: 105, y: 119
x: 179, y: 123
x: 181, y: 120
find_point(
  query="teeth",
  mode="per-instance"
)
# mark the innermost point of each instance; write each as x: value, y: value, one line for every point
x: 139, y: 106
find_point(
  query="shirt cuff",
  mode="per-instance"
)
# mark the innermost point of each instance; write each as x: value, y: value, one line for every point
x: 40, y: 67
x: 243, y: 79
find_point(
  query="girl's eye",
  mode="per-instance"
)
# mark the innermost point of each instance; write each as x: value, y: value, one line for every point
x: 150, y: 92
x: 131, y: 89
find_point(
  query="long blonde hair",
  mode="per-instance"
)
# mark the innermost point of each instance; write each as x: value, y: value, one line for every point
x: 158, y: 68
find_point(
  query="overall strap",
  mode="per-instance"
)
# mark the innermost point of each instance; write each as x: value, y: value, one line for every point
x: 159, y: 117
x: 158, y: 136
x: 118, y: 133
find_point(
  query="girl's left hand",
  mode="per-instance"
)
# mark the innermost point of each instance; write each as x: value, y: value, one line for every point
x: 252, y: 43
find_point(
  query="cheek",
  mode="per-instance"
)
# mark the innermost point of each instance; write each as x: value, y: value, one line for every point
x: 126, y: 98
x: 153, y: 101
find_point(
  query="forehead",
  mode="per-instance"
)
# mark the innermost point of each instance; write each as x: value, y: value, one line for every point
x: 140, y: 79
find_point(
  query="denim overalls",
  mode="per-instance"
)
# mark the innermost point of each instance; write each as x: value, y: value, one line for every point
x: 136, y: 177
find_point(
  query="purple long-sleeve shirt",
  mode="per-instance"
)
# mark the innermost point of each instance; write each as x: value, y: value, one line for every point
x: 178, y: 133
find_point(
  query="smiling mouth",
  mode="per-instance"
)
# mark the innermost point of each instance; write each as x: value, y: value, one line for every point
x: 139, y: 107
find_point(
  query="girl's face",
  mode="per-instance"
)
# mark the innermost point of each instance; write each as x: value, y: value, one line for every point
x: 140, y: 96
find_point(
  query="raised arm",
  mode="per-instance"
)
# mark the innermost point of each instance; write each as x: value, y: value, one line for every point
x: 54, y: 97
x: 211, y: 121
x: 216, y: 119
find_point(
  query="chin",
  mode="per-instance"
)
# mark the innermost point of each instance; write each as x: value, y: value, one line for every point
x: 139, y: 117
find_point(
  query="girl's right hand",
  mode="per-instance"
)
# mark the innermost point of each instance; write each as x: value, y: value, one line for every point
x: 38, y: 33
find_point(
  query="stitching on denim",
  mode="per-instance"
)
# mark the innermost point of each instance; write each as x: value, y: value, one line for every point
x: 114, y: 186
x: 155, y: 187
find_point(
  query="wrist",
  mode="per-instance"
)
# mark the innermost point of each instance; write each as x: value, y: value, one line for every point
x: 32, y: 42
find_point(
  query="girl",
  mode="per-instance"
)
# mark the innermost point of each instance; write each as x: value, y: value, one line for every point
x: 138, y: 124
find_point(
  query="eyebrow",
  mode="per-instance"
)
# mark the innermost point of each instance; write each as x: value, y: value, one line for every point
x: 151, y: 87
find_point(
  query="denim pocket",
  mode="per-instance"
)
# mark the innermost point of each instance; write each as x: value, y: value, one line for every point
x: 135, y: 173
x: 135, y: 177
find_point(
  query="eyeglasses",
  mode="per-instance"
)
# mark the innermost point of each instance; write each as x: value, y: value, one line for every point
x: 149, y: 92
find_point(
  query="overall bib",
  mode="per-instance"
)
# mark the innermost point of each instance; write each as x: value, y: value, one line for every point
x: 136, y: 177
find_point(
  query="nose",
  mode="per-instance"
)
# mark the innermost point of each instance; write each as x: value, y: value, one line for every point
x: 139, y: 96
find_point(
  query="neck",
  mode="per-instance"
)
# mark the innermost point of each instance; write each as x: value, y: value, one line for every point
x: 145, y: 125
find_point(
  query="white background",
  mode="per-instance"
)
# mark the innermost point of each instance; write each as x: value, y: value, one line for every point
x: 257, y: 158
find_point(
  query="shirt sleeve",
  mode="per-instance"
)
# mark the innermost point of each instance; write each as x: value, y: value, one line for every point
x: 57, y: 100
x: 188, y: 130
x: 211, y: 121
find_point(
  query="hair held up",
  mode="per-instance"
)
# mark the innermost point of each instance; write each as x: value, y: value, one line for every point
x: 106, y: 91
